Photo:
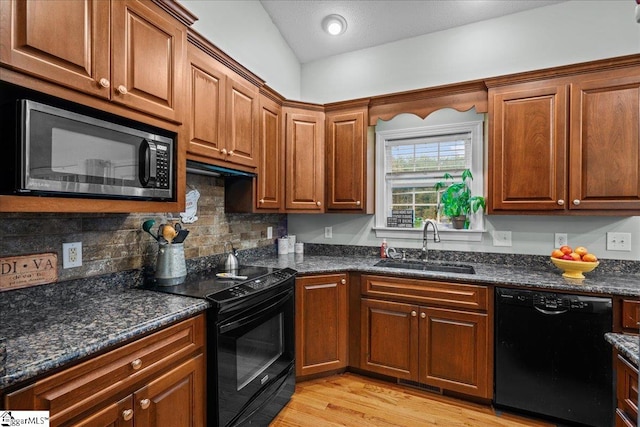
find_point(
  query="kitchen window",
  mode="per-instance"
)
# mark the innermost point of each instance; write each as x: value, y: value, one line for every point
x: 410, y: 162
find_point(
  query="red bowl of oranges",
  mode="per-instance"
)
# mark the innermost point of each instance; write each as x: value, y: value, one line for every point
x: 574, y: 262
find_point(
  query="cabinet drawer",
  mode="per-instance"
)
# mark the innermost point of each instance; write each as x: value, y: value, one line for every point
x: 630, y: 314
x: 427, y: 292
x: 627, y: 388
x: 70, y: 392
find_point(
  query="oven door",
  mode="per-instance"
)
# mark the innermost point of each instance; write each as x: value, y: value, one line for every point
x: 255, y: 359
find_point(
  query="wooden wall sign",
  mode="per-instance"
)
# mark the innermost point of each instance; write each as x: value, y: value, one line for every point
x: 28, y: 270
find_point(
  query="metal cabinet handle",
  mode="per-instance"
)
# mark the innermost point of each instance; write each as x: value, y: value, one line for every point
x: 343, y: 281
x: 231, y: 153
x: 319, y: 203
x: 560, y: 202
x: 104, y: 83
x: 576, y: 202
x: 127, y: 414
x: 223, y: 151
x: 358, y: 203
x: 144, y: 403
x: 423, y: 315
x: 136, y: 364
x: 122, y: 90
x: 261, y: 200
x: 413, y: 313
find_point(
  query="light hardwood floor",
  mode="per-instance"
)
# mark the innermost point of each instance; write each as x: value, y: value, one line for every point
x: 353, y: 400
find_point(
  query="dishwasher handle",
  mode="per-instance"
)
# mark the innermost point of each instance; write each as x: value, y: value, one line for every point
x: 550, y: 312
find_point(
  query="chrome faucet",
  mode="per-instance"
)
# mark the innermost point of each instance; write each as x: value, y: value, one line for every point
x: 436, y: 237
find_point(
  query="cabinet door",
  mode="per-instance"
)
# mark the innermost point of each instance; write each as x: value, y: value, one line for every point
x: 206, y: 105
x: 242, y: 103
x: 389, y: 338
x: 454, y: 351
x: 321, y: 323
x: 175, y: 399
x: 270, y: 180
x: 605, y: 141
x: 65, y: 41
x: 527, y: 147
x: 305, y: 162
x: 346, y: 160
x: 119, y: 414
x: 148, y: 56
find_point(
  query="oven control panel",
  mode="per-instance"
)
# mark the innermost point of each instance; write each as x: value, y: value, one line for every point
x: 254, y: 285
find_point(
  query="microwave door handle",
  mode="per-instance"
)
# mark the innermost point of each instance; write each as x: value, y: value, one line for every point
x: 148, y: 166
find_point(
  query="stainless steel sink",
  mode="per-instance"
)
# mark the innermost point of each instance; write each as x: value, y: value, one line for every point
x: 426, y: 266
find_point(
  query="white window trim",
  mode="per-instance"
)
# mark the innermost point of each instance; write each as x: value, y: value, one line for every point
x: 477, y: 185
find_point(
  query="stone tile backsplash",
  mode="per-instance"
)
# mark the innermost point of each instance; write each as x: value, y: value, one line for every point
x: 116, y: 242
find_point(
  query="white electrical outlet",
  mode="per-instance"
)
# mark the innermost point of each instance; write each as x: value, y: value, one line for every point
x: 71, y: 255
x: 619, y: 242
x: 328, y: 232
x: 501, y: 238
x: 561, y: 239
x: 269, y: 232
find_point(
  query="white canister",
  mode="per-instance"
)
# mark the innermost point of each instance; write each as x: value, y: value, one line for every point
x: 299, y: 249
x: 292, y: 242
x: 283, y: 246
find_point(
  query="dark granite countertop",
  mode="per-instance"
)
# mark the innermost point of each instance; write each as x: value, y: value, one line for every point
x: 628, y: 345
x: 536, y: 276
x: 49, y: 326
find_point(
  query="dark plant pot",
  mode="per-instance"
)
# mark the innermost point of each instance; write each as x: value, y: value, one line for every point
x: 458, y: 221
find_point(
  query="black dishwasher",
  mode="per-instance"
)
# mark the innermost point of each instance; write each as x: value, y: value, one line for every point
x: 551, y: 358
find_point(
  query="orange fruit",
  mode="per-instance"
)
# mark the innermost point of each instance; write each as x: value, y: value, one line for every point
x: 566, y: 249
x: 581, y: 250
x: 557, y: 253
x: 589, y: 258
x: 574, y: 256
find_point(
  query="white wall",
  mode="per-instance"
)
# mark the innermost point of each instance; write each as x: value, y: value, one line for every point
x: 244, y: 31
x: 564, y: 33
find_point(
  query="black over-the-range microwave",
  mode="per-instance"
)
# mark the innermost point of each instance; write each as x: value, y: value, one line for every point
x: 64, y: 151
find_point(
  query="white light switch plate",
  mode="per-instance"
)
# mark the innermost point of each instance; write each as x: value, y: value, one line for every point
x: 619, y: 242
x: 502, y: 238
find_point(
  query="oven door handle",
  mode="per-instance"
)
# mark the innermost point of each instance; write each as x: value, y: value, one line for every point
x: 229, y: 326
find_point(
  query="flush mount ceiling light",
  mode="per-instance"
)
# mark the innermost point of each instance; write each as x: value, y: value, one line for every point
x: 334, y: 24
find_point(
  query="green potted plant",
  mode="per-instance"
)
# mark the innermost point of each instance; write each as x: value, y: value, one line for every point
x: 457, y: 201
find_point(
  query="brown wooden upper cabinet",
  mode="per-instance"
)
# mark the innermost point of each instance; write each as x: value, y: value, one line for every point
x: 567, y: 145
x: 224, y: 113
x: 125, y: 51
x: 304, y: 166
x: 270, y: 180
x: 346, y: 161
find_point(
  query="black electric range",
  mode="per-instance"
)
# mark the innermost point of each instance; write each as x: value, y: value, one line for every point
x: 221, y: 291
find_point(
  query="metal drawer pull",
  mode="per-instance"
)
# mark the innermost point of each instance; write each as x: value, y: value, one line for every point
x: 343, y: 281
x: 127, y: 414
x: 144, y: 403
x: 423, y: 315
x: 414, y: 314
x: 136, y: 364
x: 560, y: 202
x: 122, y: 90
x: 576, y: 202
x: 104, y: 82
x: 319, y: 203
x: 223, y: 151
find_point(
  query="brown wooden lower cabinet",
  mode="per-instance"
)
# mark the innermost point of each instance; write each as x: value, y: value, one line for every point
x: 321, y: 324
x: 626, y: 392
x: 429, y: 334
x: 158, y: 380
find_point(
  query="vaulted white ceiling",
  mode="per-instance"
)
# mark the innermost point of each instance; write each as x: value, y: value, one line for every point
x: 375, y: 22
